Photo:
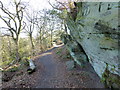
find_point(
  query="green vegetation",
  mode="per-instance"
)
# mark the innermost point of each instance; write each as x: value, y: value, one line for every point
x: 110, y: 80
x: 16, y: 49
x: 63, y: 53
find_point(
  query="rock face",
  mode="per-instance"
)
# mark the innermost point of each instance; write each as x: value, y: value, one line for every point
x: 96, y: 29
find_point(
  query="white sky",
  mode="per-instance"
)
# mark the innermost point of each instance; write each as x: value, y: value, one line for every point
x: 40, y: 4
x: 36, y: 5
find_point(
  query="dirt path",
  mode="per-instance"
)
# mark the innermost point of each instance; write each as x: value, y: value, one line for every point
x: 55, y: 74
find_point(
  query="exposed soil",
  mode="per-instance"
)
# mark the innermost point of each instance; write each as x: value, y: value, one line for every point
x: 51, y: 72
x: 22, y: 79
x: 56, y: 75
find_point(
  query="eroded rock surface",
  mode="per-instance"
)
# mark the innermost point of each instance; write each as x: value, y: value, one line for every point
x: 96, y: 29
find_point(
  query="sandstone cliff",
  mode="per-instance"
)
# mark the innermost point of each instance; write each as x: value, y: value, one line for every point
x: 94, y: 35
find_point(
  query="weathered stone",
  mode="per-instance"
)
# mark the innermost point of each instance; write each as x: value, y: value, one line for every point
x: 97, y: 31
x: 75, y: 49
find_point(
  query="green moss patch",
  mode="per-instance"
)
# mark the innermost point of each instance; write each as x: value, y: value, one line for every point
x: 110, y: 80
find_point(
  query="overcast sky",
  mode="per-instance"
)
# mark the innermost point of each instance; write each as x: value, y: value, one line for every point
x: 40, y: 4
x: 36, y: 5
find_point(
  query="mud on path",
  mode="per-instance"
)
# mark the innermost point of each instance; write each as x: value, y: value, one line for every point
x: 56, y: 75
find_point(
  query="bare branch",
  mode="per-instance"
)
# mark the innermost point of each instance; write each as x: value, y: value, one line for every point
x: 24, y: 25
x: 53, y: 6
x: 63, y: 7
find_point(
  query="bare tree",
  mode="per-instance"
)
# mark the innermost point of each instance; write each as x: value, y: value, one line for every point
x: 41, y: 23
x: 30, y: 28
x: 14, y: 22
x: 51, y: 29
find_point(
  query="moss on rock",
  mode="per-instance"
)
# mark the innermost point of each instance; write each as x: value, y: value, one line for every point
x: 110, y: 80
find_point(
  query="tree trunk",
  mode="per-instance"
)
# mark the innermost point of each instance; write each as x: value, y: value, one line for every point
x: 51, y: 37
x: 31, y: 40
x: 9, y: 45
x: 40, y: 40
x: 17, y: 50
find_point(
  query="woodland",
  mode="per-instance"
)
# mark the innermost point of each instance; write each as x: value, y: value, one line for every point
x: 71, y: 44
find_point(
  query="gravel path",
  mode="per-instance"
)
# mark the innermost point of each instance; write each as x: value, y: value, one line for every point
x: 55, y: 74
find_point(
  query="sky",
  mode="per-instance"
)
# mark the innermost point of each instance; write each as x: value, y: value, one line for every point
x: 40, y: 4
x: 36, y: 5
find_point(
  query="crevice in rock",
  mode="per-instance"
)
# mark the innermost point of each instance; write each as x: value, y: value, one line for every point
x: 108, y: 7
x: 100, y: 6
x: 80, y: 46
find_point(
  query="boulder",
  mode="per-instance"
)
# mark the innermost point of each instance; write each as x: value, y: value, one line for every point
x: 31, y: 68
